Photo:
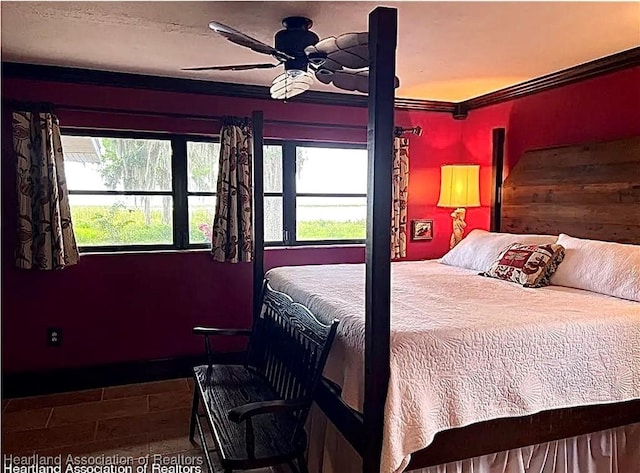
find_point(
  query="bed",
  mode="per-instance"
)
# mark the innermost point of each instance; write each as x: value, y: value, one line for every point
x: 588, y: 191
x: 598, y: 199
x: 466, y: 349
x: 510, y: 344
x: 554, y: 369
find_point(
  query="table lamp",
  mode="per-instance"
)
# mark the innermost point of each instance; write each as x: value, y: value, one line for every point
x: 459, y: 188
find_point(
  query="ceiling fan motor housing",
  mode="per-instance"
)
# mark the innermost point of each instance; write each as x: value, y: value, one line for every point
x: 294, y: 39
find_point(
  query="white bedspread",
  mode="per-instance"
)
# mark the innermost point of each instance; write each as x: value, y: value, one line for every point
x: 465, y: 348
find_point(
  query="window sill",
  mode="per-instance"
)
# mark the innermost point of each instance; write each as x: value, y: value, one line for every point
x: 124, y: 251
x: 315, y: 246
x: 140, y: 252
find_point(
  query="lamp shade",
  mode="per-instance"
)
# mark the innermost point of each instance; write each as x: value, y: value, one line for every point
x: 460, y: 186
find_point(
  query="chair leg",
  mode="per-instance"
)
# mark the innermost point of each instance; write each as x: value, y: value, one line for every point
x: 194, y: 415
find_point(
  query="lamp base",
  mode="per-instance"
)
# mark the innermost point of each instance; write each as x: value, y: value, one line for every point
x: 458, y: 226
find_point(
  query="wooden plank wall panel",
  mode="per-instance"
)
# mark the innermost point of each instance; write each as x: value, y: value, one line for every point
x: 587, y: 191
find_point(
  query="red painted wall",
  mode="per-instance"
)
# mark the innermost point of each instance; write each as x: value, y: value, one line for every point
x: 142, y: 306
x: 599, y: 109
x: 122, y: 307
x: 439, y: 144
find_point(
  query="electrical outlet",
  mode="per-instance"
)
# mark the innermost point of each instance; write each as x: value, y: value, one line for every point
x: 54, y: 336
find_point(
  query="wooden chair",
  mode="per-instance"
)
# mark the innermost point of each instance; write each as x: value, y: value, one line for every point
x: 256, y: 411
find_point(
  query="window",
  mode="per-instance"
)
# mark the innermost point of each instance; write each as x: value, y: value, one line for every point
x: 202, y: 178
x: 331, y: 193
x: 273, y: 194
x: 133, y: 191
x: 120, y: 190
x: 140, y: 191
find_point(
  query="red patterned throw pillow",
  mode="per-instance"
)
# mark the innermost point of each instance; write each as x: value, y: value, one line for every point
x: 528, y: 265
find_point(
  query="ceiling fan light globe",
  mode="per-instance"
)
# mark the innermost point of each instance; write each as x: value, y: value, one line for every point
x: 284, y: 93
x: 284, y: 86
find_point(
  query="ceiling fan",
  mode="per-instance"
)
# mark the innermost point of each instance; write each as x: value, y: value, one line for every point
x: 342, y: 61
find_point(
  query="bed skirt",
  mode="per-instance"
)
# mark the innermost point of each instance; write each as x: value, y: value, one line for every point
x: 608, y: 451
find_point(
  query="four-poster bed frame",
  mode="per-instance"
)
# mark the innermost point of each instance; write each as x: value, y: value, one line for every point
x: 365, y: 430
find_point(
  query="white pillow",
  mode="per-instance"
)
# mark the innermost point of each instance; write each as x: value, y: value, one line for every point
x: 599, y: 266
x: 480, y: 248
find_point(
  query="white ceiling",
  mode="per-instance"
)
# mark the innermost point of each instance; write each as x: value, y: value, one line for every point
x: 446, y: 50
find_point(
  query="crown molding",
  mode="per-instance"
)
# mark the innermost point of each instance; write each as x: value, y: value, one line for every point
x: 425, y: 105
x: 588, y: 70
x: 165, y: 84
x: 459, y: 110
x: 197, y: 86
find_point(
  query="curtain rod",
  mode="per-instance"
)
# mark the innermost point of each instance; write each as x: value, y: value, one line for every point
x: 399, y: 131
x: 117, y: 111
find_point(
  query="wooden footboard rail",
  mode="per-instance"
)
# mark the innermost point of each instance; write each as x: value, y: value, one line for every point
x: 350, y: 423
x: 499, y: 435
x: 488, y: 437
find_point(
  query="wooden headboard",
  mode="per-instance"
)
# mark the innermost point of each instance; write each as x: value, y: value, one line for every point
x: 587, y: 191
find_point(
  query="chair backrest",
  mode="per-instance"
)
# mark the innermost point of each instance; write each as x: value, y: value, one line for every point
x: 289, y: 345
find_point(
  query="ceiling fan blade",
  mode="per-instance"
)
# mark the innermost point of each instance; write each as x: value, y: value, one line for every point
x: 284, y: 86
x: 352, y: 81
x: 348, y: 80
x: 239, y: 67
x: 242, y: 39
x: 349, y: 50
x: 331, y: 65
x: 324, y: 75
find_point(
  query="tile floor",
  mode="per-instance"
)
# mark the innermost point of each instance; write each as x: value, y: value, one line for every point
x: 133, y: 420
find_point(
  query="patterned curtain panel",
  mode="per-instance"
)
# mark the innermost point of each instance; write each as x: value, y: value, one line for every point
x: 45, y: 233
x: 399, y: 209
x: 232, y: 239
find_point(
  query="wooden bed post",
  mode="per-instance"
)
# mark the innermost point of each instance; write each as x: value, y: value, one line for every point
x: 383, y: 24
x: 497, y: 163
x: 257, y: 120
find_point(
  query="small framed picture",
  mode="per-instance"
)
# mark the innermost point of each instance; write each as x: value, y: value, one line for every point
x: 422, y: 229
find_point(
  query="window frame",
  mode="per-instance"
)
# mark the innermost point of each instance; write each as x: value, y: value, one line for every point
x: 290, y: 194
x: 183, y: 174
x: 281, y: 194
x: 179, y: 188
x: 180, y: 192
